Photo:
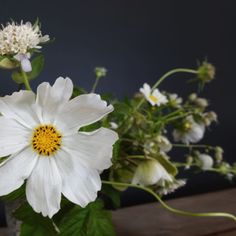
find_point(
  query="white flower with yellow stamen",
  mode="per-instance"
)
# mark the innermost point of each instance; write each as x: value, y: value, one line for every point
x: 155, y: 97
x: 18, y: 40
x: 40, y: 135
x: 190, y: 132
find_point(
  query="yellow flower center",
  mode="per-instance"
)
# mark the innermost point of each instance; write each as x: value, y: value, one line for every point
x: 46, y: 140
x: 153, y: 98
x: 187, y: 126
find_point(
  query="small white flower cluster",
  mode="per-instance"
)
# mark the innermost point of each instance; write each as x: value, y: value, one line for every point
x: 20, y: 38
x: 17, y: 40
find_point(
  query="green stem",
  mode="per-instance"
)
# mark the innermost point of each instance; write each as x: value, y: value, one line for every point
x: 169, y: 73
x: 178, y: 117
x: 192, y: 145
x: 95, y: 84
x: 137, y: 156
x: 169, y: 208
x: 26, y: 81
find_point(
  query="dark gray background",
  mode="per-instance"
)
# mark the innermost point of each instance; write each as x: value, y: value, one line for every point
x: 138, y: 41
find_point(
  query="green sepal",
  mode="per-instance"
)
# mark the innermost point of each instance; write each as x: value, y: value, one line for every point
x: 7, y: 63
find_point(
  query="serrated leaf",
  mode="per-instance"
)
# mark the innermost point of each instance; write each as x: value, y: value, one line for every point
x: 92, y: 220
x: 34, y: 223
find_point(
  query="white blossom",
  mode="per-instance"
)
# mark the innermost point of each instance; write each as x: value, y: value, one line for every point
x: 150, y: 172
x: 154, y: 97
x: 206, y: 161
x: 40, y: 135
x: 192, y: 131
x: 18, y: 40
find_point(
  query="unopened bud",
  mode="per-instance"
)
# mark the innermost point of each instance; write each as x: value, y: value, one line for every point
x: 206, y: 72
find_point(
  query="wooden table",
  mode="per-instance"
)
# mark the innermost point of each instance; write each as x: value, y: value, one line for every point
x: 152, y: 220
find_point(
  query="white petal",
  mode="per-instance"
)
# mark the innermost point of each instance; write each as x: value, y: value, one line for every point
x: 43, y: 188
x: 196, y: 133
x: 51, y: 98
x: 146, y: 90
x: 94, y: 149
x: 13, y: 136
x: 26, y: 65
x: 79, y: 183
x: 20, y: 106
x: 81, y: 111
x: 206, y: 161
x: 16, y: 169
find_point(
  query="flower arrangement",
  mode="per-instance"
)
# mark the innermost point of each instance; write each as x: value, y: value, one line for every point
x: 62, y: 149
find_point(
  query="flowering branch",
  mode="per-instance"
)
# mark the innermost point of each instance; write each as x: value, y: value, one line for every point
x: 166, y: 75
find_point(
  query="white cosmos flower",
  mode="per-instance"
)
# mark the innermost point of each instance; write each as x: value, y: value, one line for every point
x: 155, y: 97
x: 192, y: 132
x: 150, y: 172
x: 18, y: 39
x: 40, y: 135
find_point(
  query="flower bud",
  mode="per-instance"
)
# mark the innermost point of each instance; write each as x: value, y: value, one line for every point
x: 189, y: 161
x: 201, y: 102
x: 150, y: 172
x: 209, y: 117
x: 192, y: 97
x: 219, y: 154
x: 206, y: 161
x: 206, y: 72
x: 100, y: 72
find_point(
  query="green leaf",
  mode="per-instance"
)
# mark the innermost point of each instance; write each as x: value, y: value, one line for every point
x: 168, y: 165
x: 35, y: 230
x: 116, y: 152
x: 18, y: 193
x: 78, y: 91
x: 92, y: 127
x: 112, y: 194
x: 89, y: 221
x: 37, y: 67
x: 34, y: 223
x: 122, y: 108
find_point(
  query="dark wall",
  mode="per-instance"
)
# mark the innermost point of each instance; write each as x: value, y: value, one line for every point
x: 137, y: 41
